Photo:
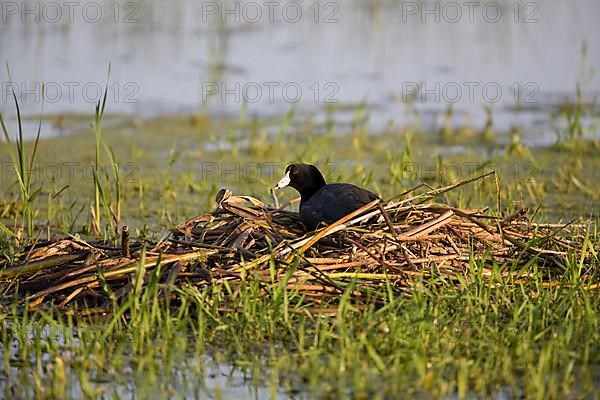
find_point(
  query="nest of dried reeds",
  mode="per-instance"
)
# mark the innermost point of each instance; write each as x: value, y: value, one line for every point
x: 380, y: 244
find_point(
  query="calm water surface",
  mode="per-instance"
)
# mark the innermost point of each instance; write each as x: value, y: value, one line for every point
x: 521, y: 59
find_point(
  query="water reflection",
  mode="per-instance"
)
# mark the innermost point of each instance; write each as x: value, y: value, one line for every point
x: 187, y: 56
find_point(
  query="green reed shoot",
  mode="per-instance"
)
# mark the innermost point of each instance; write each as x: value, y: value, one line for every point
x: 97, y: 129
x: 102, y: 195
x: 23, y: 165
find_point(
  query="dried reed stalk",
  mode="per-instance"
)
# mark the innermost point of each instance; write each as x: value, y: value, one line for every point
x: 379, y: 244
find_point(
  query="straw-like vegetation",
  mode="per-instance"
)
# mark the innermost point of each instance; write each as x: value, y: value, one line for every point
x: 379, y: 245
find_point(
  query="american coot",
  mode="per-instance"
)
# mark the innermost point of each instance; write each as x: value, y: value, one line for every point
x: 320, y: 202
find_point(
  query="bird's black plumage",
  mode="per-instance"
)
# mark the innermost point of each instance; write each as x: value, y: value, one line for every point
x: 321, y: 202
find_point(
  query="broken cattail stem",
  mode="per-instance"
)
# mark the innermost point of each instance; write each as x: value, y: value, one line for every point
x: 125, y: 242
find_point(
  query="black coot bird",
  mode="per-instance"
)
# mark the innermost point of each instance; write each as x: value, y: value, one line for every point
x: 319, y: 202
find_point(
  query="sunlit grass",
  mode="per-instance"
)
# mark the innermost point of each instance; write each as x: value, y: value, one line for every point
x: 23, y: 164
x: 440, y: 338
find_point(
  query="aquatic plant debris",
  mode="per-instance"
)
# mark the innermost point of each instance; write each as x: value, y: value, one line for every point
x: 380, y: 246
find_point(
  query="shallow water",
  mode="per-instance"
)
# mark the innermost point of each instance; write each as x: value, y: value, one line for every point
x: 188, y: 56
x: 192, y: 377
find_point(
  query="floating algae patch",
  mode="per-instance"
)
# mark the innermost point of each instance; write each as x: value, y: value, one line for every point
x: 382, y: 246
